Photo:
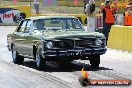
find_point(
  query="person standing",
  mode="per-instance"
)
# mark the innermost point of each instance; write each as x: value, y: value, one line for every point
x: 108, y: 17
x: 89, y: 10
x: 90, y: 7
x: 128, y: 16
x: 36, y: 6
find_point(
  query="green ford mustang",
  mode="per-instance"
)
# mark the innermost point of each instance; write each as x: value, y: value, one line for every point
x: 55, y: 38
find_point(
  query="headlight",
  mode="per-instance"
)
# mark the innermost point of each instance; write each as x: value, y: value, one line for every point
x: 49, y: 45
x: 98, y: 42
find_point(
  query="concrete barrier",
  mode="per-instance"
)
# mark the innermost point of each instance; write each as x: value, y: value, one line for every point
x: 120, y: 37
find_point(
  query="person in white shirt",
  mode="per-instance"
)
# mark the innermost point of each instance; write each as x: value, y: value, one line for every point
x: 36, y: 6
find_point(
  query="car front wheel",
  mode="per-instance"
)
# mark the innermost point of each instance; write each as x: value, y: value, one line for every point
x: 17, y: 59
x: 40, y: 61
x: 94, y: 61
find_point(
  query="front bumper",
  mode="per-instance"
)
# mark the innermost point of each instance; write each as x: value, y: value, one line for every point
x: 73, y: 52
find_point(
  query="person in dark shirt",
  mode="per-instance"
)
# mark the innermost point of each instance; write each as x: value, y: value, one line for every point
x: 104, y: 15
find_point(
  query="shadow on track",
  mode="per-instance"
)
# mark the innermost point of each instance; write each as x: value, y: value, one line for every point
x: 69, y: 67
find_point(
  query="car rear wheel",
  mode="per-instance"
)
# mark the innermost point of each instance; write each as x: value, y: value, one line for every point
x: 40, y: 61
x: 17, y: 59
x: 94, y: 61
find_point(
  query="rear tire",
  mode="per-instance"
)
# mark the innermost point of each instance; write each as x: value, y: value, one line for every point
x: 17, y: 59
x: 94, y: 61
x: 40, y: 61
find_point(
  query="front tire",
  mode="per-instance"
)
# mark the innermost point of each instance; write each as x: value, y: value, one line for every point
x: 94, y: 61
x: 17, y: 59
x: 40, y: 61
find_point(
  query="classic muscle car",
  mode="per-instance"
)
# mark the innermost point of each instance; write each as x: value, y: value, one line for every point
x: 55, y: 38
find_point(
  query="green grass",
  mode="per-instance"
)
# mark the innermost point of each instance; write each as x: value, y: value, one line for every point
x: 45, y: 9
x: 70, y: 9
x: 62, y: 9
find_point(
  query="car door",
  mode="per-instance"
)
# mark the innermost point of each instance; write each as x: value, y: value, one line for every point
x: 18, y: 36
x: 23, y: 38
x: 28, y: 39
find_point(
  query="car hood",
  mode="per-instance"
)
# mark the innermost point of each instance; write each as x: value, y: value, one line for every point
x: 50, y: 35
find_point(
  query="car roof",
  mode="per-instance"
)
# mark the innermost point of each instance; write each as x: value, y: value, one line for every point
x: 45, y: 17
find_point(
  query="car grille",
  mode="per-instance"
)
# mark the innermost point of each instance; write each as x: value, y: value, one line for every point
x: 84, y: 43
x: 64, y: 44
x: 71, y: 44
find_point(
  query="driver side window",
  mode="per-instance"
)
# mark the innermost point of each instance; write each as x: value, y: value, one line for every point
x: 28, y: 27
x: 22, y: 26
x: 76, y: 24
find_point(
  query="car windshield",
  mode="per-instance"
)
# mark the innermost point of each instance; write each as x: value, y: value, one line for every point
x: 57, y: 23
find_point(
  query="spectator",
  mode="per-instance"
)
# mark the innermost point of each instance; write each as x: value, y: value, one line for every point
x: 36, y: 6
x: 108, y: 17
x: 90, y: 7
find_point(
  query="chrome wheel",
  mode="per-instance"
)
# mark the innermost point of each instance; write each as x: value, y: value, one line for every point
x: 37, y: 59
x: 14, y: 53
x: 17, y: 59
x: 40, y: 61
